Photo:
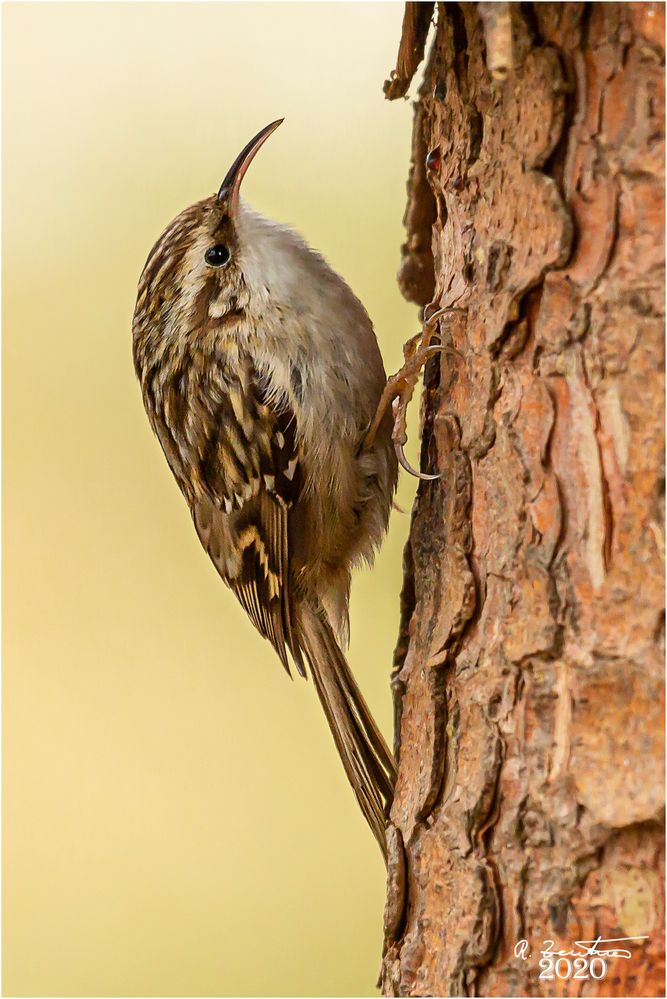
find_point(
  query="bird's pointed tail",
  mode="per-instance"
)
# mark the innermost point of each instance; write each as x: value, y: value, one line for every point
x: 368, y: 763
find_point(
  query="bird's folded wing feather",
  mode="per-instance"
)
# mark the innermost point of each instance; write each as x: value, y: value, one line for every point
x: 251, y: 478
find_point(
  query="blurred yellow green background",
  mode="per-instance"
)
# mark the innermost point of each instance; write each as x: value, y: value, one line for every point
x: 176, y: 821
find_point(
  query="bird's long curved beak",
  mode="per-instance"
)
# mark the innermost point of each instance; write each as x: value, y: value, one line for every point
x: 229, y: 189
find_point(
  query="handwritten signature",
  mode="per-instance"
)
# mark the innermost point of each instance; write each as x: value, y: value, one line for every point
x: 580, y: 948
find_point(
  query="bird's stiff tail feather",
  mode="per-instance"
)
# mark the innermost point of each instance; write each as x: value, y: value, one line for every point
x: 368, y: 763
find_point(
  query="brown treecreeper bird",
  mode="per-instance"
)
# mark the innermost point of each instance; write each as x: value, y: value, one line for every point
x: 261, y: 376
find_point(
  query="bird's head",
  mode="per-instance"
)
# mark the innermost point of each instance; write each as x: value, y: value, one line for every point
x: 195, y: 271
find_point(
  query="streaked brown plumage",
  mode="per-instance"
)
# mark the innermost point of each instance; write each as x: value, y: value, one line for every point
x: 261, y: 375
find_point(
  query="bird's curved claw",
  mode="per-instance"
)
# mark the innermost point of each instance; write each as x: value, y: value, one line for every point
x: 434, y: 348
x: 431, y: 320
x: 400, y: 387
x: 404, y: 463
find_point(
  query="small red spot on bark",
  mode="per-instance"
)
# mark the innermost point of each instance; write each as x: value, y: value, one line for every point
x: 433, y: 159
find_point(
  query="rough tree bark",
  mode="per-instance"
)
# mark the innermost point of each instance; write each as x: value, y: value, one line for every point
x: 528, y: 680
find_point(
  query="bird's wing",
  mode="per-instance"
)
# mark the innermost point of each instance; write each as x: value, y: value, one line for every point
x: 251, y: 479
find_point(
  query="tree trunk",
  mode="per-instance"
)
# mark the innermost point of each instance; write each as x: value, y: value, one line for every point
x: 528, y: 680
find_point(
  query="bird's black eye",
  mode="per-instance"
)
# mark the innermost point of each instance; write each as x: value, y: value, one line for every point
x: 217, y: 256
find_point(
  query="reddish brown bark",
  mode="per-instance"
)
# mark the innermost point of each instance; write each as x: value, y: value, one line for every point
x: 528, y: 680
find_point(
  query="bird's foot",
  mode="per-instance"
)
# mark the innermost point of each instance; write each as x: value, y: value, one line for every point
x: 400, y: 388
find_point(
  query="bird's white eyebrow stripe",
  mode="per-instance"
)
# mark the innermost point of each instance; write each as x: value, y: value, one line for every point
x: 161, y: 259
